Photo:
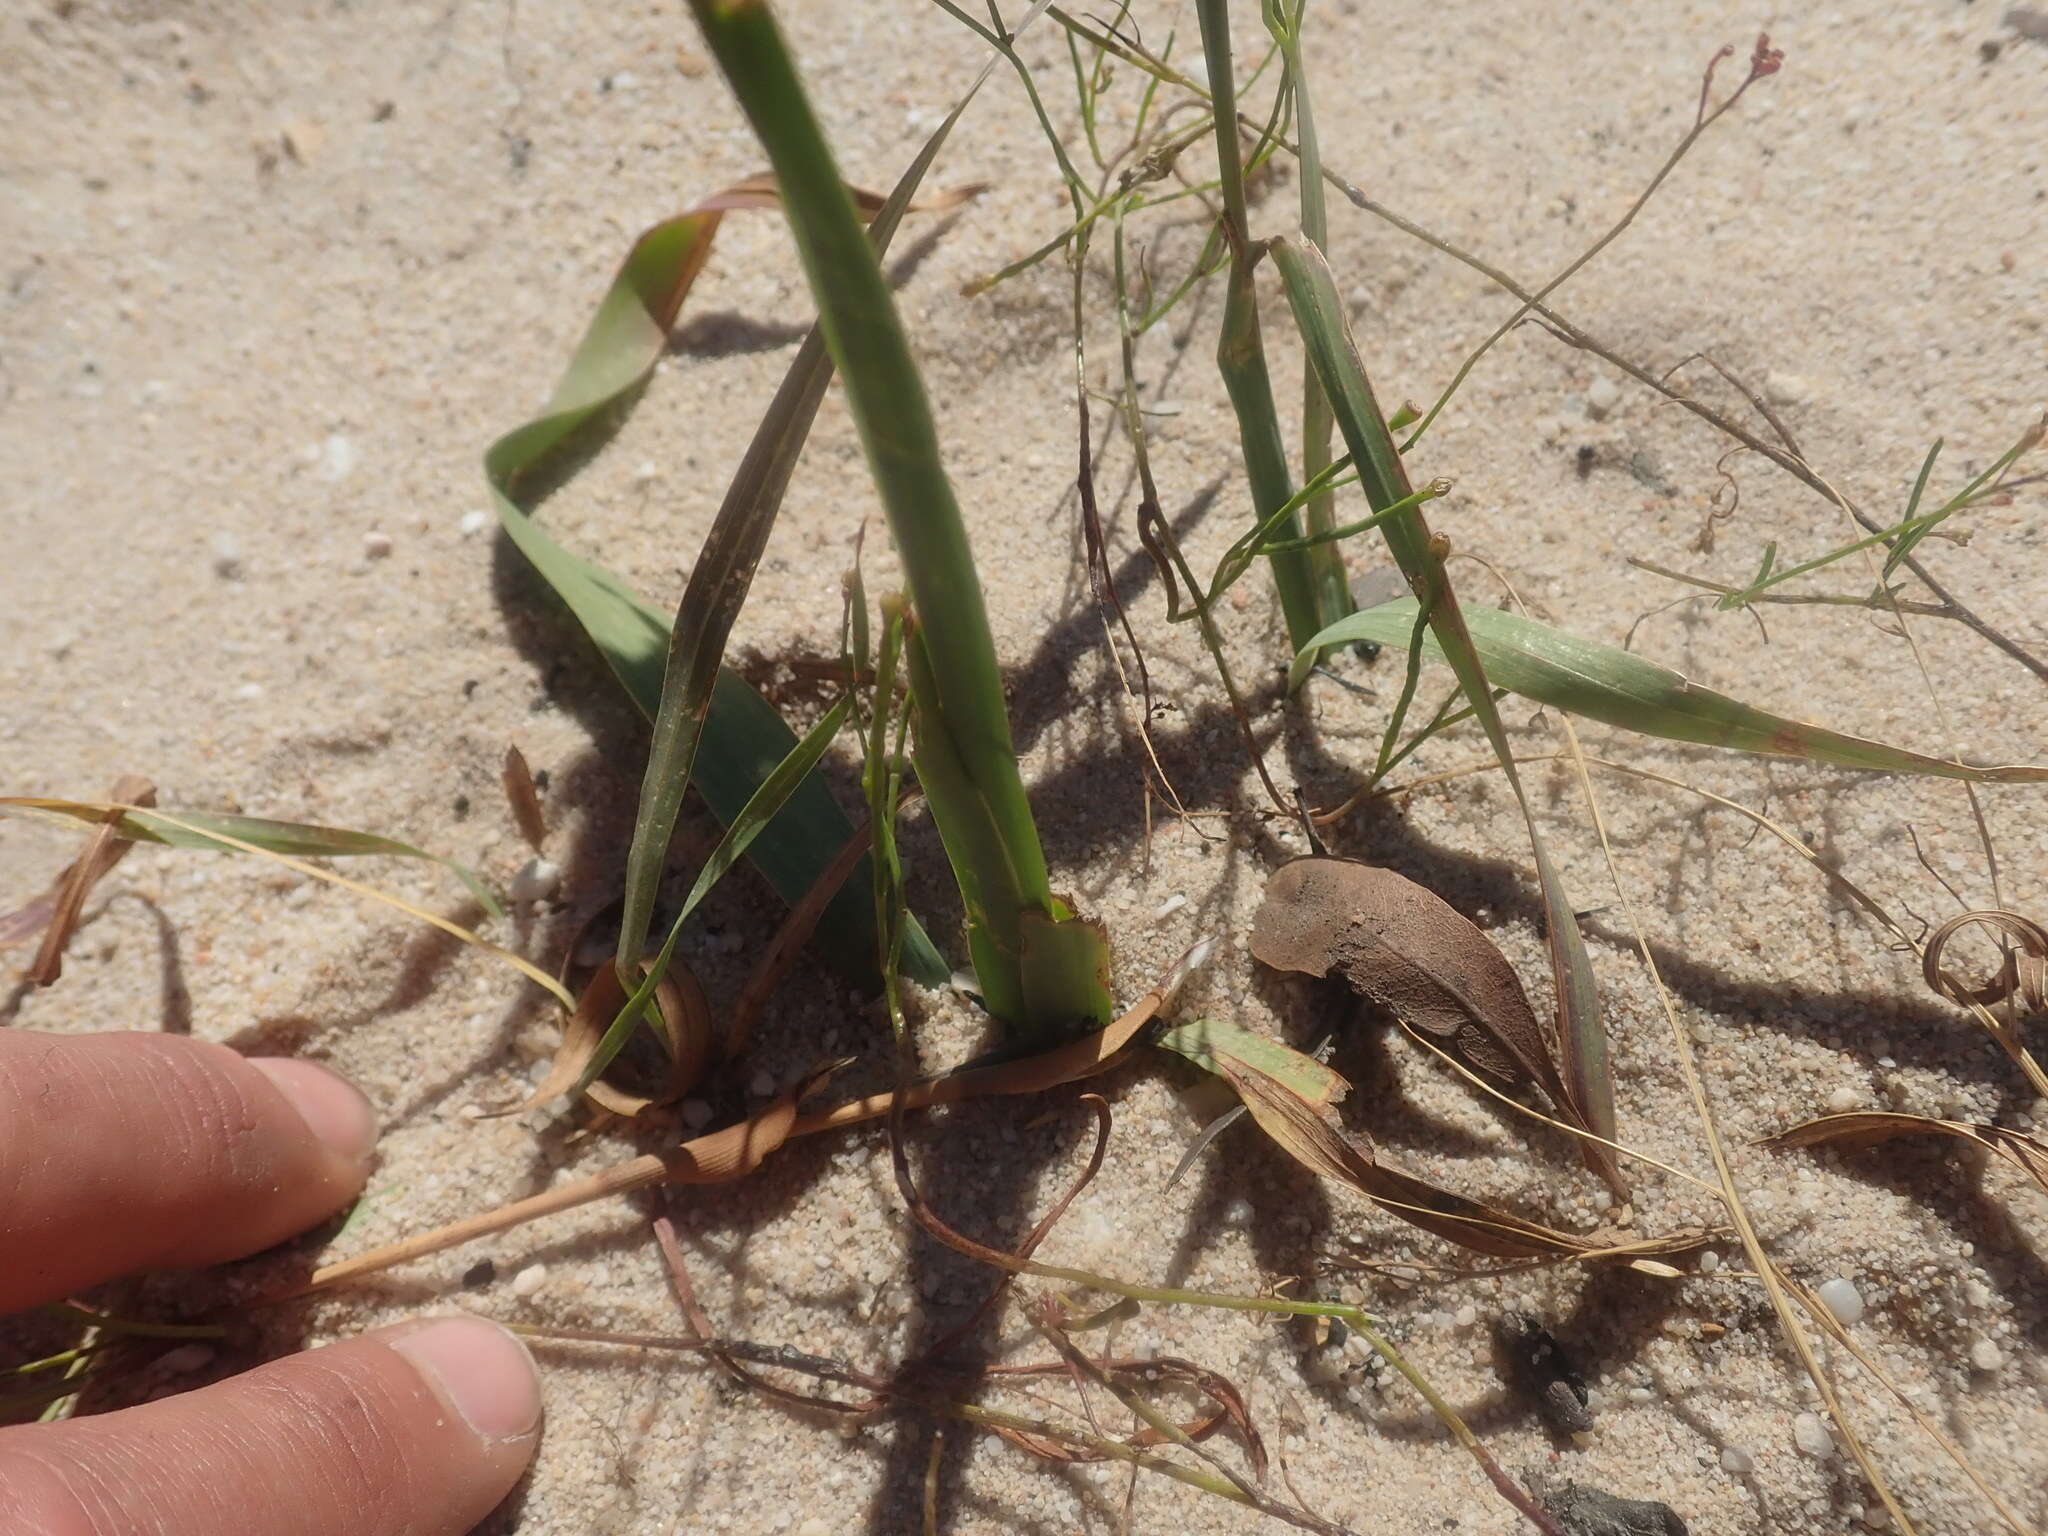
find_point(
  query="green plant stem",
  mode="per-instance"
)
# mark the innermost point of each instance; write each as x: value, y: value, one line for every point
x: 966, y: 759
x: 1240, y: 350
x: 1326, y: 563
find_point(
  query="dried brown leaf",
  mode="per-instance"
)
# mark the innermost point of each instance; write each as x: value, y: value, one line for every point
x: 524, y: 798
x: 1314, y: 1138
x: 681, y: 1015
x: 1869, y: 1128
x: 1415, y: 955
x: 55, y: 913
x: 2023, y: 973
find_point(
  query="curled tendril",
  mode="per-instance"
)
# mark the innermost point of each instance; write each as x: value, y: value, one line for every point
x: 2023, y: 974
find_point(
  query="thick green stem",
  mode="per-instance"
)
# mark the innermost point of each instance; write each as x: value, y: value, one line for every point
x: 1241, y: 351
x: 965, y: 756
x: 1326, y: 561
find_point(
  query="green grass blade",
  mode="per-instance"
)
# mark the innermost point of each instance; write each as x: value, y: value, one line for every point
x: 1319, y: 315
x: 743, y: 737
x: 960, y: 711
x: 782, y: 781
x: 1617, y: 687
x: 719, y: 581
x: 1904, y: 546
x: 189, y: 829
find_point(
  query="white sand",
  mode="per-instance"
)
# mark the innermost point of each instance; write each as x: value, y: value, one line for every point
x: 215, y: 346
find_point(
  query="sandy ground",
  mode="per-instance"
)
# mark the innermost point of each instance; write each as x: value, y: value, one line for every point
x: 275, y: 275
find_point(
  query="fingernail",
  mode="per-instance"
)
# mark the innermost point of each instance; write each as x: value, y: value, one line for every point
x: 480, y: 1371
x: 333, y: 1108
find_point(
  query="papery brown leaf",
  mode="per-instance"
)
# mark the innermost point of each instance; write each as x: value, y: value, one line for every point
x: 1868, y: 1128
x: 55, y: 913
x: 2024, y: 973
x: 681, y: 1015
x: 733, y: 1152
x: 1415, y: 955
x: 1314, y: 1138
x: 738, y: 1150
x: 524, y: 799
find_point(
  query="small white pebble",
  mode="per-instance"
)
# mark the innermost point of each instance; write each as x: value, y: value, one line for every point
x: 471, y: 1112
x: 1986, y: 1356
x: 186, y: 1359
x: 1640, y: 1394
x: 537, y: 880
x: 474, y: 523
x: 1811, y: 1435
x: 1467, y: 1316
x: 647, y: 471
x: 528, y: 1281
x: 376, y: 545
x: 335, y: 459
x: 1843, y: 1100
x: 1602, y: 396
x: 696, y: 1114
x: 227, y: 556
x: 249, y: 691
x: 1786, y: 388
x: 1710, y: 1262
x: 762, y: 1084
x: 1737, y: 1462
x: 1840, y: 1297
x: 1168, y: 907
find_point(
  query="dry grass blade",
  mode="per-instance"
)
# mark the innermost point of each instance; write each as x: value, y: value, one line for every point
x: 2022, y: 975
x: 55, y: 913
x: 1834, y: 1328
x: 243, y: 834
x: 1312, y: 1136
x: 682, y: 1018
x: 524, y: 799
x: 719, y: 1158
x: 735, y: 1151
x: 1775, y: 1284
x: 1320, y: 317
x: 1617, y: 687
x: 1160, y: 1429
x: 1870, y: 1128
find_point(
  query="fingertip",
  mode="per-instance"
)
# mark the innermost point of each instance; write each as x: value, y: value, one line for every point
x: 417, y: 1430
x: 479, y: 1370
x: 334, y: 1109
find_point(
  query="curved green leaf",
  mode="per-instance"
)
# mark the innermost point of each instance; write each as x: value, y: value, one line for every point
x: 743, y: 737
x: 1606, y: 683
x: 189, y: 829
